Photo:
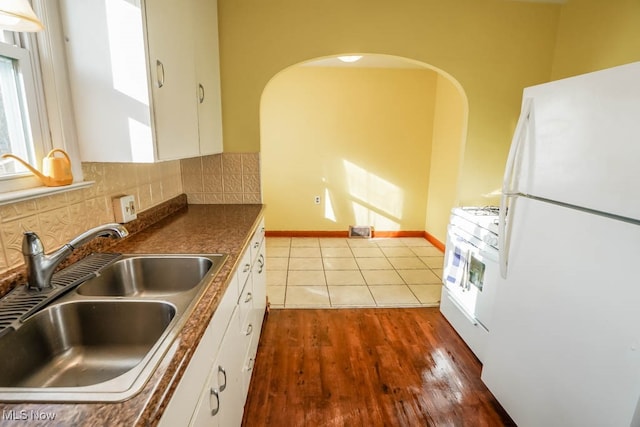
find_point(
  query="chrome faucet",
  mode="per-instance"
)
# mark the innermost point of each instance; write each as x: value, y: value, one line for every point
x: 40, y: 266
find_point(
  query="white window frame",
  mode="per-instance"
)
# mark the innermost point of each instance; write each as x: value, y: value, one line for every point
x: 50, y: 106
x: 26, y: 75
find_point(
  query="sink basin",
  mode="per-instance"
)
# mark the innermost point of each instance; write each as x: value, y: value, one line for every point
x: 102, y: 341
x: 82, y: 343
x: 148, y: 276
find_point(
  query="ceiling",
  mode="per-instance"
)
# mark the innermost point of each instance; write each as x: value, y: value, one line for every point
x: 367, y: 61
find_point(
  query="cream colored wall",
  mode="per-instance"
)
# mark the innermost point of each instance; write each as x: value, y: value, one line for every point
x: 494, y: 48
x: 596, y: 34
x: 359, y: 138
x: 60, y: 217
x: 449, y: 132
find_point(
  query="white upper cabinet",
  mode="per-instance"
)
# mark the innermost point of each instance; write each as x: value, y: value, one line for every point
x: 145, y: 78
x: 173, y: 70
x: 208, y: 76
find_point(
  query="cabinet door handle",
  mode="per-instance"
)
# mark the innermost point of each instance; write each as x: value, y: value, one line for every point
x: 214, y: 392
x: 256, y: 245
x: 252, y: 362
x: 261, y: 263
x: 224, y: 375
x: 248, y: 298
x: 160, y: 73
x: 249, y: 329
x: 247, y: 267
x: 201, y: 93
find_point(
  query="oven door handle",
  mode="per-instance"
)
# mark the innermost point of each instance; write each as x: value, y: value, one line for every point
x: 465, y: 270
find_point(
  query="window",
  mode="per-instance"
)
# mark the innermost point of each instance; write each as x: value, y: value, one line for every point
x: 36, y: 104
x: 21, y: 115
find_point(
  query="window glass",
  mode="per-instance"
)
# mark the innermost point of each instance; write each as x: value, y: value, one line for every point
x: 15, y: 133
x: 21, y: 131
x: 35, y: 102
x: 476, y: 272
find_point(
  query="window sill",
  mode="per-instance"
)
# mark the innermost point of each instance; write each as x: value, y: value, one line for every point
x: 32, y: 193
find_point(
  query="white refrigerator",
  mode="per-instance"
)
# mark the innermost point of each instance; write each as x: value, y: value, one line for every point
x: 564, y: 348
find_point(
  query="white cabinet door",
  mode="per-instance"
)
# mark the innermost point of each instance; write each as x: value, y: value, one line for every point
x: 181, y: 406
x: 219, y: 387
x: 218, y: 403
x: 207, y: 63
x: 135, y: 70
x: 105, y: 50
x: 171, y: 60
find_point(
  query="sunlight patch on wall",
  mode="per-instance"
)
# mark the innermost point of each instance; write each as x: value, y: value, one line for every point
x: 329, y: 213
x: 376, y: 201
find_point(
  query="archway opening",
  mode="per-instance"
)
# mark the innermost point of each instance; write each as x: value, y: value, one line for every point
x: 377, y: 142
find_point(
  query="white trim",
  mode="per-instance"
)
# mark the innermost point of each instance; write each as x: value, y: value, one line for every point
x: 50, y: 103
x: 33, y: 193
x: 53, y: 69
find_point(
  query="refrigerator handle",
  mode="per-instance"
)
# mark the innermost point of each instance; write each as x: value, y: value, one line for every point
x: 516, y: 147
x: 503, y: 239
x: 508, y: 189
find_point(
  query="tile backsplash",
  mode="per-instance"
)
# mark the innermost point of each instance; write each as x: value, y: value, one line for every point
x: 219, y: 179
x: 60, y: 217
x: 222, y: 179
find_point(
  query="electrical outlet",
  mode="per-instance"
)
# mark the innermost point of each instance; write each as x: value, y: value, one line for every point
x: 316, y: 200
x: 124, y: 208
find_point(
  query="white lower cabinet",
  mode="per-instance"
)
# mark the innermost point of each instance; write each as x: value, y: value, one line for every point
x: 259, y: 298
x: 218, y: 404
x: 214, y: 387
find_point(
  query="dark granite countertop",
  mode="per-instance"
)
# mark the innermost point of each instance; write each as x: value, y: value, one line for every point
x: 191, y: 230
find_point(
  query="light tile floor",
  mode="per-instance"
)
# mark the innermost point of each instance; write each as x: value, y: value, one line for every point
x: 337, y: 272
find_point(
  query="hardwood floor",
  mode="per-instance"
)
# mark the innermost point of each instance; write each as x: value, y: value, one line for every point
x: 367, y: 367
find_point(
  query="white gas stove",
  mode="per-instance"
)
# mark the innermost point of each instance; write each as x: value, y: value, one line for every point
x: 470, y: 273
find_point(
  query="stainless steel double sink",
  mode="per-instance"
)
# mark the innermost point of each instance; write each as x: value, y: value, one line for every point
x: 102, y: 340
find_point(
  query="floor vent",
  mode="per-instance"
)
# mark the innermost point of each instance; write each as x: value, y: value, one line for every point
x: 360, y: 231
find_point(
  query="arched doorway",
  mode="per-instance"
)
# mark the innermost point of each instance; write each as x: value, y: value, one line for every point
x: 376, y: 142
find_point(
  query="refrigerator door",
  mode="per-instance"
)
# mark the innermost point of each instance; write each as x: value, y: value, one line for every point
x: 581, y: 141
x: 564, y: 347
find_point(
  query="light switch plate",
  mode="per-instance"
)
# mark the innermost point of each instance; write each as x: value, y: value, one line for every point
x: 124, y: 208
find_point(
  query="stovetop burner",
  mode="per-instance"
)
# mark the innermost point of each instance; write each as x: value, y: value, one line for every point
x: 482, y: 210
x: 475, y: 219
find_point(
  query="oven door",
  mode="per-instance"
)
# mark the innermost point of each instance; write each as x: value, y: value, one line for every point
x: 470, y: 274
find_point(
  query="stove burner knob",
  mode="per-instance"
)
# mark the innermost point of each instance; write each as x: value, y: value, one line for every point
x: 490, y: 240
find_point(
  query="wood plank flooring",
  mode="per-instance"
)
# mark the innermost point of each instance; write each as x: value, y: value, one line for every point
x: 367, y: 367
